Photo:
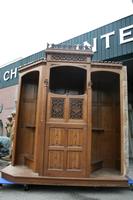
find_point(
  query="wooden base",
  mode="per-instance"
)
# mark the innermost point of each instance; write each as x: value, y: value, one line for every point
x: 24, y: 175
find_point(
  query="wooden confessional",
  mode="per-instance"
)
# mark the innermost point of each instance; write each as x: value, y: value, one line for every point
x: 71, y: 122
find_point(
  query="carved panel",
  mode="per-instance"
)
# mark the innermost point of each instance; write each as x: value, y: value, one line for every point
x: 74, y: 160
x: 57, y: 137
x: 57, y: 108
x: 76, y: 108
x: 68, y: 57
x: 75, y: 137
x: 55, y: 160
x: 66, y: 152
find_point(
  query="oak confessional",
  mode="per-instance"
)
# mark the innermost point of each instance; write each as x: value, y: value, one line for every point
x: 71, y: 124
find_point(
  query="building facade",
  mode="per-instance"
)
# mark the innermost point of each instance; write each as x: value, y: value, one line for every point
x: 112, y: 42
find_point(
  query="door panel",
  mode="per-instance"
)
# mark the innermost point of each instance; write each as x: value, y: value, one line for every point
x: 66, y: 136
x: 56, y: 137
x: 55, y: 160
x: 74, y: 161
x: 75, y: 137
x: 65, y: 152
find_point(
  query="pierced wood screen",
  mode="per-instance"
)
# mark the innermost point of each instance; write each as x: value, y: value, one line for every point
x: 66, y: 107
x: 68, y: 57
x: 57, y: 108
x: 76, y: 108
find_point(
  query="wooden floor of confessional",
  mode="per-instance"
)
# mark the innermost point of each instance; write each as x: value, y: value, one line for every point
x: 104, y: 172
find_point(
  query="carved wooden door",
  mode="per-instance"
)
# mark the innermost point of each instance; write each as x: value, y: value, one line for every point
x: 66, y: 136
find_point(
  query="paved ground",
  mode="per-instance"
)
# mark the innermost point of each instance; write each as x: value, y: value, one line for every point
x: 3, y: 163
x: 64, y: 193
x: 130, y: 174
x: 16, y: 192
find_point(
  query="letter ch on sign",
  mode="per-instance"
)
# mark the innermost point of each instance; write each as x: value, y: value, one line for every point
x: 6, y: 76
x: 13, y: 73
x: 10, y: 74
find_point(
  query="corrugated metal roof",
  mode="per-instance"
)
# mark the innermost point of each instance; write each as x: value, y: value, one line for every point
x: 116, y: 49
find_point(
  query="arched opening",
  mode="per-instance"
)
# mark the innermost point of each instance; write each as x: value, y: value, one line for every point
x: 105, y: 122
x: 68, y: 80
x: 27, y: 118
x: 66, y: 123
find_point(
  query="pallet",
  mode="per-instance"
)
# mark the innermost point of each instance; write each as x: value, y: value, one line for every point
x: 4, y: 181
x: 130, y: 183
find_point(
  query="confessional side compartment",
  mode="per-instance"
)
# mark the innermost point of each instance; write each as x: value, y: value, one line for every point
x: 106, y: 122
x: 66, y: 133
x: 24, y: 146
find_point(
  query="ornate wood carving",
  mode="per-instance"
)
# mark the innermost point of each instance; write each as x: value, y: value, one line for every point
x: 68, y: 57
x: 76, y: 108
x: 57, y: 108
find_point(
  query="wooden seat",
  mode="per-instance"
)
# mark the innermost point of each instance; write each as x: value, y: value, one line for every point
x: 29, y: 161
x: 96, y: 164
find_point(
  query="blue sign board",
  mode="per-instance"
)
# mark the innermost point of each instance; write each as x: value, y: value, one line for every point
x: 111, y: 41
x: 9, y: 73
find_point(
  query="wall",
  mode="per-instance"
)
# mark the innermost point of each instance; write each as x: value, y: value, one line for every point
x: 8, y: 98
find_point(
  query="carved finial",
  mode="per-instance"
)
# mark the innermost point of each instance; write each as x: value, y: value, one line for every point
x: 89, y: 84
x: 47, y: 45
x: 46, y: 82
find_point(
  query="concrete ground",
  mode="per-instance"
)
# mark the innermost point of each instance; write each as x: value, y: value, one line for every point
x: 3, y: 163
x: 16, y: 192
x: 130, y: 173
